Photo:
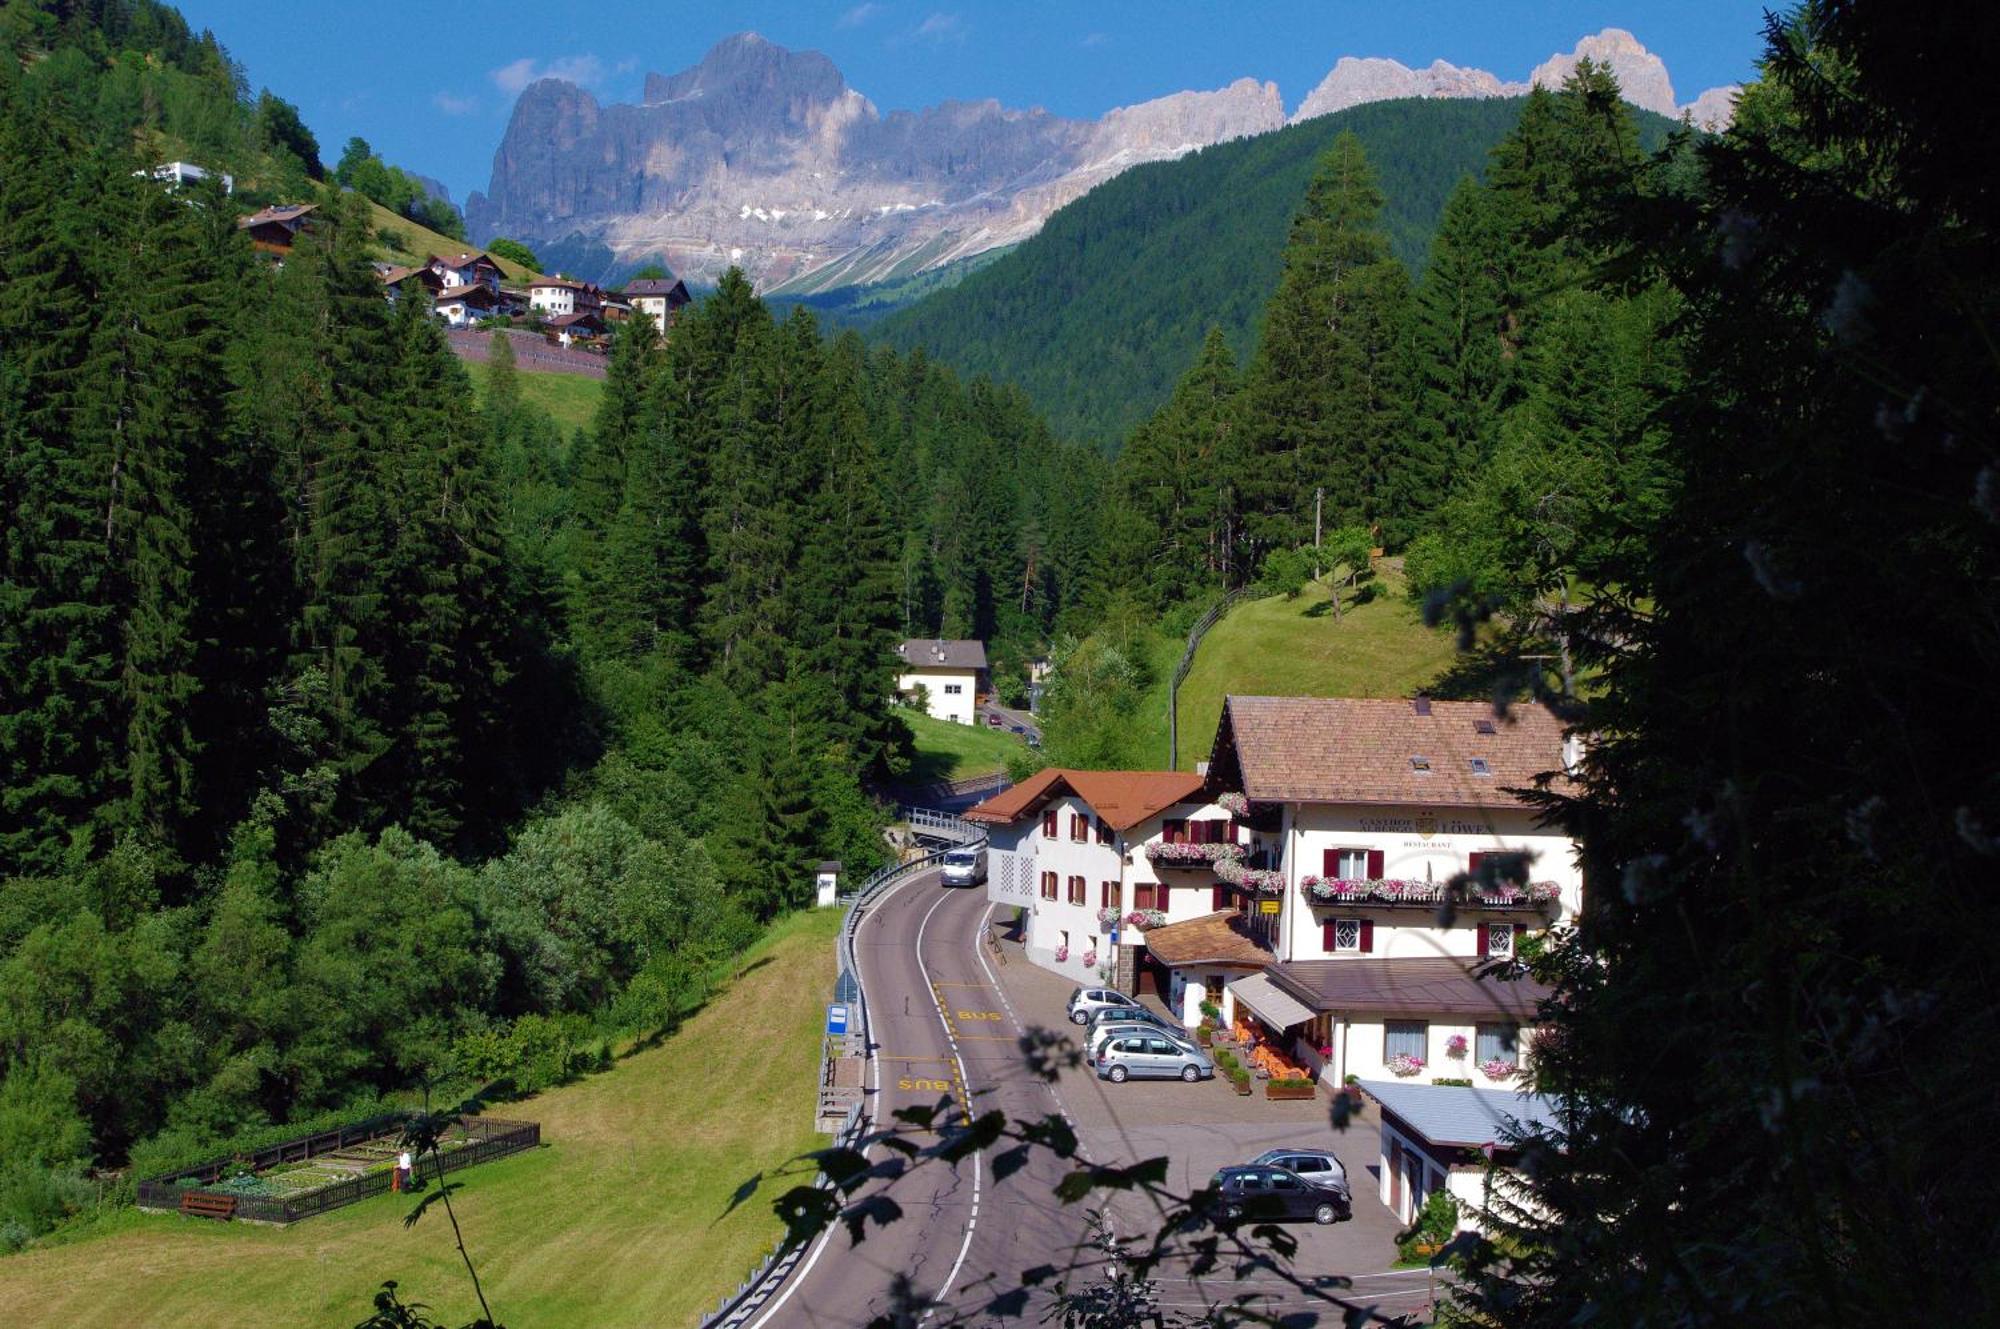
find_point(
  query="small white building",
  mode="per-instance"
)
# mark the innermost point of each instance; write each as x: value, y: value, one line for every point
x: 560, y: 297
x: 1091, y: 889
x: 176, y: 174
x: 463, y: 306
x: 1453, y: 1138
x: 952, y: 674
x: 658, y: 299
x: 474, y: 269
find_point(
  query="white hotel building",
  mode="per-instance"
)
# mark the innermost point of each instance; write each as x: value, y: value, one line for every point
x: 1298, y: 882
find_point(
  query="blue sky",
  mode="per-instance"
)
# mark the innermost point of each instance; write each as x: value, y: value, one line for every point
x: 429, y: 83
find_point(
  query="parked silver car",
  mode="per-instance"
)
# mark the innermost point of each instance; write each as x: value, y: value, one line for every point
x: 1104, y: 1031
x: 964, y: 867
x: 1152, y: 1056
x: 1085, y: 1002
x: 1316, y: 1167
x: 1104, y: 1015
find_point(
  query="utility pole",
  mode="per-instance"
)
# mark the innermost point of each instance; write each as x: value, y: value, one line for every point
x: 1319, y: 496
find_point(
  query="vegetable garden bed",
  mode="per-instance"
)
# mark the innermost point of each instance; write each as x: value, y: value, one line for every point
x: 315, y: 1173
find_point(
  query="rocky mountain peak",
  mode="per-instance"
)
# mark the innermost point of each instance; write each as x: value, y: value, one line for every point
x: 1642, y: 76
x: 746, y: 65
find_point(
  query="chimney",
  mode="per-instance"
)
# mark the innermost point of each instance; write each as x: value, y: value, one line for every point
x: 1421, y: 703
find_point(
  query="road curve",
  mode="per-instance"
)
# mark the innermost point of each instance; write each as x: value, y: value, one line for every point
x: 939, y: 1028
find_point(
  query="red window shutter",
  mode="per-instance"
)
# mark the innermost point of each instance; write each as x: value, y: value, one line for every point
x: 1218, y: 897
x: 1330, y: 863
x: 1160, y: 897
x: 1368, y: 936
x: 1107, y: 895
x: 1485, y: 940
x: 1472, y: 863
x: 1142, y: 897
x: 1049, y: 822
x: 1520, y: 931
x: 1326, y: 942
x: 1229, y: 831
x: 1374, y: 864
x: 1175, y: 829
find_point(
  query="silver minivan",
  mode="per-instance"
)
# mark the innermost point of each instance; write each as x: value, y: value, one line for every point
x: 964, y: 867
x: 1152, y: 1055
x: 1103, y: 1032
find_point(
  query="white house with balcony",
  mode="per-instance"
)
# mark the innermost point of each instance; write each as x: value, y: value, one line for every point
x: 951, y: 673
x: 1345, y: 883
x: 1089, y: 888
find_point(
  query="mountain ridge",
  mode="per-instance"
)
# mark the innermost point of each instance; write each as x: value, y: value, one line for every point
x: 763, y: 157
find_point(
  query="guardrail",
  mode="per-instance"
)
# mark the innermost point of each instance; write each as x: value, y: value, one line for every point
x: 770, y: 1275
x: 751, y: 1295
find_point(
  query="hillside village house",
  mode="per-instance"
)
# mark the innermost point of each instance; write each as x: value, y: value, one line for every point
x: 176, y: 174
x: 394, y: 275
x: 275, y: 229
x: 456, y: 270
x: 559, y: 297
x: 1296, y: 884
x: 659, y: 299
x: 952, y: 674
x: 462, y: 306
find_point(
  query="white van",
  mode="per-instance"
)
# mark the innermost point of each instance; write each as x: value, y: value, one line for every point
x: 964, y: 867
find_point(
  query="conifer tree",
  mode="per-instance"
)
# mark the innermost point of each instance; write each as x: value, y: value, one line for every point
x: 56, y: 726
x: 1325, y: 402
x: 846, y: 617
x: 1459, y: 342
x: 599, y: 468
x: 1178, y: 476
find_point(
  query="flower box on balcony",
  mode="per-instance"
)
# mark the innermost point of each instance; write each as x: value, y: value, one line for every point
x: 1145, y: 918
x: 1392, y: 890
x: 1174, y: 855
x: 1263, y: 881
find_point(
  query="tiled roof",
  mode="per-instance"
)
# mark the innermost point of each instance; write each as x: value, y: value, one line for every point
x: 1419, y: 985
x: 1460, y: 1116
x: 466, y: 260
x: 943, y: 653
x: 1211, y: 939
x: 278, y: 212
x: 475, y: 294
x: 1122, y: 798
x: 1366, y: 750
x: 563, y: 282
x: 667, y: 286
x: 583, y: 317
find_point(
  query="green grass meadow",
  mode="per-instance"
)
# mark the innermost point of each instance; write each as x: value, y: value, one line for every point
x: 623, y: 1217
x: 1297, y: 648
x: 947, y: 751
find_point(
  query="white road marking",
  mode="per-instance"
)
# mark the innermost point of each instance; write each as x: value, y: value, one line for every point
x: 965, y: 1081
x: 799, y: 1274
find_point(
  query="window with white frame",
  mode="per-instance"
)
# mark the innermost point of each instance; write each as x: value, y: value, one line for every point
x: 1346, y: 934
x: 1351, y: 864
x: 1406, y: 1038
x: 1499, y: 938
x: 1498, y: 1042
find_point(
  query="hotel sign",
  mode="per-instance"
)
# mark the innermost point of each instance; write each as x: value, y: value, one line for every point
x: 1423, y: 825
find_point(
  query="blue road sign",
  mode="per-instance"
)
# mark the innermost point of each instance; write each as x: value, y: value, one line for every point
x: 836, y: 1018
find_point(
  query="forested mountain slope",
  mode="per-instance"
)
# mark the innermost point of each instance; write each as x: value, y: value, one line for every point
x: 1099, y: 314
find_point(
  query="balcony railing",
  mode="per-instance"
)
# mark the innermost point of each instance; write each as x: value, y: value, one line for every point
x: 1389, y: 890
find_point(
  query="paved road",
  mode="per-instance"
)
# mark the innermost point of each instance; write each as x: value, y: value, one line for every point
x: 938, y: 1029
x: 944, y: 1023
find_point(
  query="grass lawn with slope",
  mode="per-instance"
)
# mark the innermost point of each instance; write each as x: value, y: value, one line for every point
x: 622, y: 1218
x: 1297, y: 648
x: 948, y: 751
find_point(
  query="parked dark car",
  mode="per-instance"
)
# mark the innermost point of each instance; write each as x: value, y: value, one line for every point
x: 1316, y: 1167
x: 1276, y: 1194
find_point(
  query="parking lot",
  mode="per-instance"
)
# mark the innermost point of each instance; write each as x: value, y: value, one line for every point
x: 1202, y: 1127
